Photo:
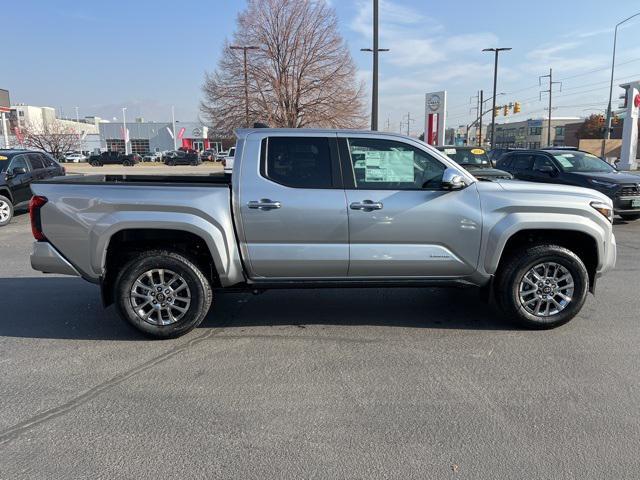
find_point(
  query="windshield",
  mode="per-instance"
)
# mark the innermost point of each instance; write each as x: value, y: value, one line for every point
x: 4, y: 163
x: 582, y: 162
x: 468, y: 156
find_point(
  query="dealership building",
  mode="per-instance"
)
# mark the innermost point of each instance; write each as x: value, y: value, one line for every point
x: 147, y: 137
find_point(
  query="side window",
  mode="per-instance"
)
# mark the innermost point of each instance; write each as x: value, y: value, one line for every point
x: 36, y: 161
x: 48, y: 162
x: 390, y: 165
x: 299, y: 162
x: 522, y: 163
x: 19, y: 161
x: 542, y: 161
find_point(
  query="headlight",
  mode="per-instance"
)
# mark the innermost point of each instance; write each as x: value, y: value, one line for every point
x: 600, y: 183
x: 604, y: 209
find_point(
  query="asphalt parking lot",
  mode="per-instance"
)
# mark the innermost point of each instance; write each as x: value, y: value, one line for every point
x: 407, y: 383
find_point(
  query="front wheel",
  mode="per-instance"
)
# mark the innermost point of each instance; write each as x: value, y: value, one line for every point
x: 6, y: 211
x: 544, y: 287
x: 629, y: 217
x: 95, y: 163
x: 162, y: 294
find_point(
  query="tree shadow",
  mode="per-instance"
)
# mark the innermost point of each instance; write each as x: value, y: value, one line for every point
x: 70, y: 308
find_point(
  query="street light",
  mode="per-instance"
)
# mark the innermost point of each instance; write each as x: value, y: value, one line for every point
x: 374, y: 83
x: 607, y: 132
x: 244, y: 49
x: 495, y: 86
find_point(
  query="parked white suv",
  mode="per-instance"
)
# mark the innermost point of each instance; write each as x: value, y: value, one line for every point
x: 227, y: 161
x: 75, y: 157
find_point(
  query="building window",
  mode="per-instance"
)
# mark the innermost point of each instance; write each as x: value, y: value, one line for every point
x: 140, y: 146
x: 535, y: 130
x: 115, y: 145
x: 559, y: 131
x: 20, y: 113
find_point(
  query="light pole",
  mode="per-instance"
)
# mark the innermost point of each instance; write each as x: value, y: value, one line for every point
x: 374, y: 84
x: 495, y: 86
x: 124, y: 128
x: 244, y: 49
x: 607, y: 132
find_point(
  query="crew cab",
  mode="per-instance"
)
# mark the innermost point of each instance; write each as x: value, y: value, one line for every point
x: 18, y: 169
x: 322, y: 208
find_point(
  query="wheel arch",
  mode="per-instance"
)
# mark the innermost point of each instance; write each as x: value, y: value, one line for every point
x: 6, y: 192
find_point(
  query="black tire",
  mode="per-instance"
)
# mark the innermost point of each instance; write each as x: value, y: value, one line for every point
x: 127, y: 163
x: 170, y: 163
x: 198, y: 287
x: 629, y: 217
x: 518, y: 264
x: 6, y: 209
x: 95, y: 163
x: 194, y: 163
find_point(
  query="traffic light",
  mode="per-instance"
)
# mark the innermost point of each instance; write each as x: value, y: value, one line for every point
x: 516, y: 107
x: 505, y: 110
x: 496, y: 111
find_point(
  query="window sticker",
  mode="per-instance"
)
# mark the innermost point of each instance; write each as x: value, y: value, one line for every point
x: 477, y: 151
x: 449, y: 151
x: 564, y: 161
x: 391, y: 167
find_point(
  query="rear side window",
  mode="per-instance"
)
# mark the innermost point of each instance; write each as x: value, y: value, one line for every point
x: 36, y: 161
x: 299, y: 162
x: 522, y: 163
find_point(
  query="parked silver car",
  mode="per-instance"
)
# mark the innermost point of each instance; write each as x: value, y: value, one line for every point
x: 323, y: 208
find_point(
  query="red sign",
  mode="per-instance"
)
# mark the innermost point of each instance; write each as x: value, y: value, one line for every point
x: 636, y: 100
x: 19, y: 135
x: 181, y: 133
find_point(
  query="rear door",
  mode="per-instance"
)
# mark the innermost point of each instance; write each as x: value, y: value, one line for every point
x: 401, y: 223
x: 293, y: 208
x: 38, y: 167
x: 521, y: 166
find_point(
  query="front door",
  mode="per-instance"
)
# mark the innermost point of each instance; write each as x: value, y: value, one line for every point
x: 198, y: 145
x: 401, y: 223
x: 20, y: 184
x: 294, y: 215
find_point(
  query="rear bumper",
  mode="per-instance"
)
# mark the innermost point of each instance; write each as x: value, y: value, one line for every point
x: 45, y: 258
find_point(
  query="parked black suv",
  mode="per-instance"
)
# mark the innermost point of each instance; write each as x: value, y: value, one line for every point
x: 114, y: 158
x: 582, y: 169
x: 475, y: 161
x: 18, y: 168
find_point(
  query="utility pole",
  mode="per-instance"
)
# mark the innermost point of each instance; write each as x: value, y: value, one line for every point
x: 173, y: 126
x: 388, y: 129
x: 244, y: 49
x: 495, y: 87
x: 401, y: 124
x: 480, y: 119
x: 550, y: 92
x: 374, y: 84
x: 409, y: 120
x: 124, y: 129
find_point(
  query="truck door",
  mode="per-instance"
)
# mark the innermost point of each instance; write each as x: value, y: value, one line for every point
x: 19, y: 182
x: 293, y: 207
x: 401, y: 223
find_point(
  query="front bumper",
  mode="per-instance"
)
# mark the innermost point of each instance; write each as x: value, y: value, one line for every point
x: 623, y: 204
x: 47, y: 259
x: 609, y: 258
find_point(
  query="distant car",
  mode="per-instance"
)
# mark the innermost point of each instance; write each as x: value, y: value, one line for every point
x: 18, y: 168
x: 208, y: 155
x: 180, y: 157
x: 476, y: 161
x: 152, y: 157
x: 220, y: 155
x: 227, y: 161
x: 577, y: 168
x: 74, y: 157
x: 496, y: 153
x: 114, y: 158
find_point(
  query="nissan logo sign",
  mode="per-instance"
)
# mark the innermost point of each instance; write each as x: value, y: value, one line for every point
x: 434, y: 103
x: 197, y: 132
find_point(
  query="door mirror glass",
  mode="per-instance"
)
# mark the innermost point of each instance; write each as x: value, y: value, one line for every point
x: 452, y: 180
x: 18, y: 171
x: 548, y: 169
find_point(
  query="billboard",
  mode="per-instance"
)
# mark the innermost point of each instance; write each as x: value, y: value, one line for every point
x: 4, y: 100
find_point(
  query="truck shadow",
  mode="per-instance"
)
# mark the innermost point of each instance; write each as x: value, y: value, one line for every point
x: 70, y: 308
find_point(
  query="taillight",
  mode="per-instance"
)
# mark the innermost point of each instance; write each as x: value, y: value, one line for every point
x: 35, y: 205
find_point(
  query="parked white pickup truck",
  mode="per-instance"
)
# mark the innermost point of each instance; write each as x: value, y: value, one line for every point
x: 322, y: 208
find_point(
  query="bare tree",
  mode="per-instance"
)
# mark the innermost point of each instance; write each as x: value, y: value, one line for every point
x: 302, y: 75
x: 54, y: 137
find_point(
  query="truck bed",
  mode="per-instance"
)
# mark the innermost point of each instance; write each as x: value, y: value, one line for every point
x: 215, y: 179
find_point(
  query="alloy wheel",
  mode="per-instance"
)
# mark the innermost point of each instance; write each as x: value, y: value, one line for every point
x: 546, y: 289
x: 160, y: 297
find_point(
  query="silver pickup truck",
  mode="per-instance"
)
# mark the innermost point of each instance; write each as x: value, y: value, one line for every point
x: 322, y: 208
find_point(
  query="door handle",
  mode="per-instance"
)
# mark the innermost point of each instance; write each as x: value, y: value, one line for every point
x: 366, y: 205
x: 264, y: 204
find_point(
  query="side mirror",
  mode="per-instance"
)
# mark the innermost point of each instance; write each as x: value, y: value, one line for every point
x: 18, y: 171
x: 452, y: 180
x: 548, y: 169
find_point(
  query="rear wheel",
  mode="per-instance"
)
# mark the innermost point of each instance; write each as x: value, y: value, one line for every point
x: 544, y: 287
x: 95, y: 163
x: 127, y: 163
x: 6, y: 211
x: 162, y: 294
x: 629, y: 216
x: 170, y: 163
